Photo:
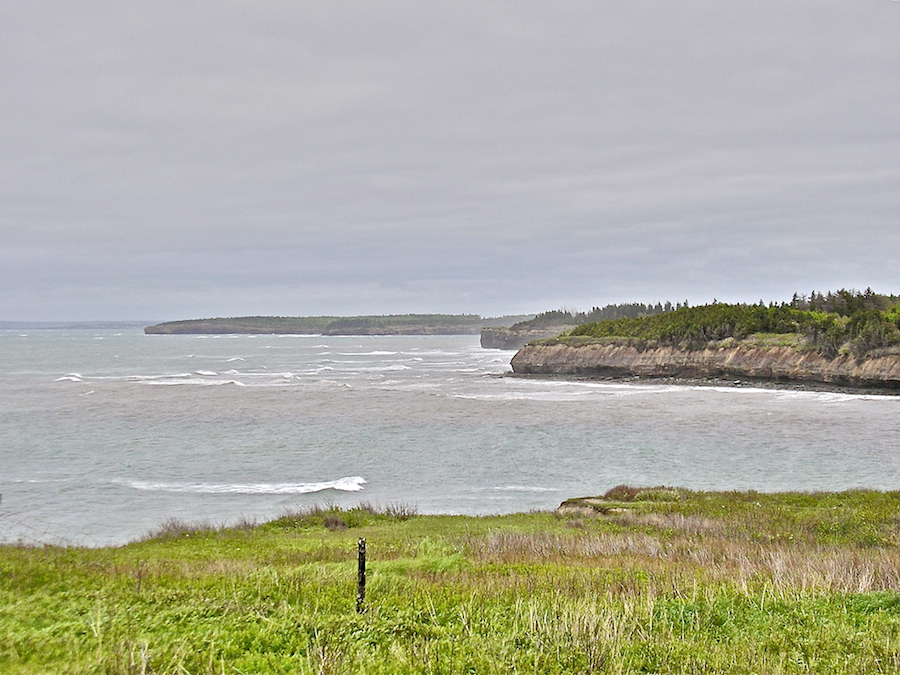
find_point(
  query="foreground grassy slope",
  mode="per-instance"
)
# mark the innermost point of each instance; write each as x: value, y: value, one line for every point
x: 658, y: 581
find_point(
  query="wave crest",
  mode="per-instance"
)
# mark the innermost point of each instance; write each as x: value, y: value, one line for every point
x: 345, y: 484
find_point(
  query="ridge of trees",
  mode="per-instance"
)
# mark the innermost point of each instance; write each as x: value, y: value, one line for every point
x: 845, y: 321
x: 562, y: 317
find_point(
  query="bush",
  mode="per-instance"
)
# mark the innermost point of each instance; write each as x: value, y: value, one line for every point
x: 700, y: 325
x: 691, y: 328
x: 621, y: 493
x: 870, y: 330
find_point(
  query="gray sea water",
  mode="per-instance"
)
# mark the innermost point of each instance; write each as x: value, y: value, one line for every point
x: 105, y: 434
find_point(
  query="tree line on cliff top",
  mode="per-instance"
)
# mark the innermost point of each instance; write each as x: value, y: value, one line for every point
x: 562, y: 317
x: 852, y: 322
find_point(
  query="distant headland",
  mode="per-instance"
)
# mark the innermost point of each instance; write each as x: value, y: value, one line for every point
x: 847, y: 338
x: 396, y: 324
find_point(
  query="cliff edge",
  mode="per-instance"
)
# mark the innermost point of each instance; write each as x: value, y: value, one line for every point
x: 620, y: 359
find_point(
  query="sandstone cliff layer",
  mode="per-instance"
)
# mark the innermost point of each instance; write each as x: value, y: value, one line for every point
x: 732, y: 362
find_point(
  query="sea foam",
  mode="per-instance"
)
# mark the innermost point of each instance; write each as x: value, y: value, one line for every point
x: 346, y: 484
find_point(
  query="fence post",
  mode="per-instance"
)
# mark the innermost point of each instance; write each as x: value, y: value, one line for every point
x: 361, y: 577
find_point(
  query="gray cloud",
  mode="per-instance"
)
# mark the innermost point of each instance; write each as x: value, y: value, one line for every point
x: 166, y: 159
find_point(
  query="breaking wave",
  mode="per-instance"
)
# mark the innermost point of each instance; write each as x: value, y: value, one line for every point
x: 346, y: 484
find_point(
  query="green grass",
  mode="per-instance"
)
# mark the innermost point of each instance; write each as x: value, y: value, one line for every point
x: 639, y: 581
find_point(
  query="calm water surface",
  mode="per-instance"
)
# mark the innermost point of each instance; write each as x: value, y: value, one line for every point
x: 106, y: 434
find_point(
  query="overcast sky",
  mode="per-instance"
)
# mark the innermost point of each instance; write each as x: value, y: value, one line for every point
x: 165, y: 160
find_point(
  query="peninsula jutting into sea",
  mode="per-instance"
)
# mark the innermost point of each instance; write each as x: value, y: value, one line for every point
x: 396, y: 324
x: 844, y: 338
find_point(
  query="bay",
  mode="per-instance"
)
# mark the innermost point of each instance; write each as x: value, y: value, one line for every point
x: 105, y: 434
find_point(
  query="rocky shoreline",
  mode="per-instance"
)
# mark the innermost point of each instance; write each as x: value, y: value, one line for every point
x: 714, y: 364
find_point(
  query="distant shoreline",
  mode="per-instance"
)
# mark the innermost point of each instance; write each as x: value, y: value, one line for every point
x: 392, y: 324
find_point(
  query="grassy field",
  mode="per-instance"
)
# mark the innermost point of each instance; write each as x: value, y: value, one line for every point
x: 652, y: 581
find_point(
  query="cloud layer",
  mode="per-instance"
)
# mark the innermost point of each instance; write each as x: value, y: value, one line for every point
x: 179, y: 159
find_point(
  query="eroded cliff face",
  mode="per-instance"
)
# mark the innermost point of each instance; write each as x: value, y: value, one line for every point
x: 738, y: 362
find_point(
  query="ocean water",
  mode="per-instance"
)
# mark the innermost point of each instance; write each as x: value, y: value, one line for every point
x: 106, y: 434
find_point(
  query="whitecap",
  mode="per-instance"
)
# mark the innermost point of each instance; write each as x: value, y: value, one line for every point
x: 207, y: 373
x: 346, y: 484
x: 32, y: 481
x: 235, y: 358
x: 151, y: 378
x: 375, y: 353
x: 547, y: 396
x: 831, y: 396
x: 70, y: 377
x: 522, y: 488
x: 189, y: 380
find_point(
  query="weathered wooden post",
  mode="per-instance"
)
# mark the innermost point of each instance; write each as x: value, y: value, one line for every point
x: 361, y: 577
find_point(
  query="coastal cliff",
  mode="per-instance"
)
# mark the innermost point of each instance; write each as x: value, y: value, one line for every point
x: 619, y: 359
